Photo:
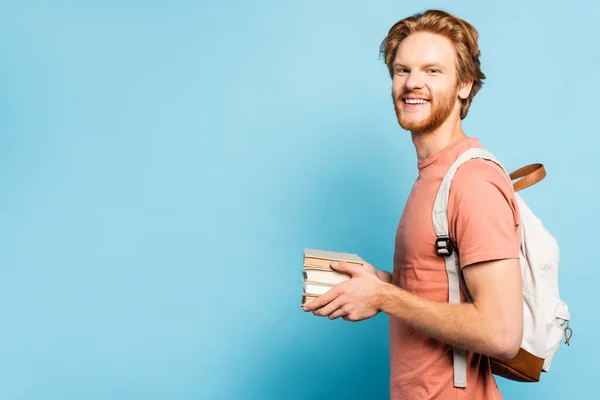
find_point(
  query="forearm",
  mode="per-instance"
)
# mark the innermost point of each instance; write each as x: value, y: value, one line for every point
x: 460, y: 325
x: 384, y: 276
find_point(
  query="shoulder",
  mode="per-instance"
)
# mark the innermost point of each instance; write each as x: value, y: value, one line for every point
x: 481, y: 187
x: 483, y: 213
x: 477, y: 175
x: 482, y: 191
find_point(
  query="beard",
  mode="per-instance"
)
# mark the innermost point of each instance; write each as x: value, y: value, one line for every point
x: 440, y: 109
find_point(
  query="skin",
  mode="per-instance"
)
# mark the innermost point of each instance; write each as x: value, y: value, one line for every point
x: 425, y: 67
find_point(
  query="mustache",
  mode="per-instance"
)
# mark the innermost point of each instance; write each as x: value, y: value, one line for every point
x: 408, y: 93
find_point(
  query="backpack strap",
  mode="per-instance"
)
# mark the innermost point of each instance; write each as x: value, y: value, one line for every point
x: 530, y: 174
x: 444, y: 248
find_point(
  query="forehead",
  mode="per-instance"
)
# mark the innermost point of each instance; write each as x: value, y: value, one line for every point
x: 424, y: 48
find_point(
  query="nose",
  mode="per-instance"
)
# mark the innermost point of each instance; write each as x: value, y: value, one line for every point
x: 414, y: 81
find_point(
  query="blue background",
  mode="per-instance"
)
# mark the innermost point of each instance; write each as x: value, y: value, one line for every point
x: 163, y: 164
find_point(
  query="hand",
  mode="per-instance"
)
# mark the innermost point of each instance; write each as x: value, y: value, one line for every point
x: 383, y: 275
x: 356, y: 299
x: 369, y: 268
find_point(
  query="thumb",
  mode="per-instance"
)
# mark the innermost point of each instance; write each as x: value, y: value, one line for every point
x: 347, y: 268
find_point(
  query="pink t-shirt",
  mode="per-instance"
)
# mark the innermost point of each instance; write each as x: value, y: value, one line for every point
x: 484, y: 225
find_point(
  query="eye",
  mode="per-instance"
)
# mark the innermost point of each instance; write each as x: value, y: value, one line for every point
x: 433, y: 71
x: 399, y: 71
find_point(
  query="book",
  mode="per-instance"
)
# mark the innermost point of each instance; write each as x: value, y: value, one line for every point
x: 318, y: 277
x: 324, y: 276
x: 307, y: 299
x: 315, y: 288
x: 323, y: 258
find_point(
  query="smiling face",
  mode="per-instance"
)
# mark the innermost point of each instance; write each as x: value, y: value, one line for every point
x: 424, y: 86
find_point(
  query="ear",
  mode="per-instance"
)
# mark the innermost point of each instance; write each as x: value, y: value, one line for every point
x: 465, y: 89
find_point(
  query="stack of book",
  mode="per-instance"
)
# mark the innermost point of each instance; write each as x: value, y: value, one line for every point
x: 318, y: 277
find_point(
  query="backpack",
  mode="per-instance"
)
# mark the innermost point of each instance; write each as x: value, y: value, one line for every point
x: 546, y: 316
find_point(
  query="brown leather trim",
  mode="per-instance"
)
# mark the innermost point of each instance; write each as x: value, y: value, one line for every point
x: 524, y: 367
x: 530, y: 174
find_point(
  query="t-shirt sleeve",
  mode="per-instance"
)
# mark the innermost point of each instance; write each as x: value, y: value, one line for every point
x: 483, y: 214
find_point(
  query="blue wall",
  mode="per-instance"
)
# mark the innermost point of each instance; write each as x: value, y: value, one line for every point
x: 163, y: 164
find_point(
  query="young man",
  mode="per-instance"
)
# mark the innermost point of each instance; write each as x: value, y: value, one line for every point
x: 433, y: 59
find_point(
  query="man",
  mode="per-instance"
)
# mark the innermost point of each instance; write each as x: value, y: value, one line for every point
x: 433, y: 59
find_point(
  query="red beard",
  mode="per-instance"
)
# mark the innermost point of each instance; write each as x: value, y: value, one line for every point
x: 440, y: 109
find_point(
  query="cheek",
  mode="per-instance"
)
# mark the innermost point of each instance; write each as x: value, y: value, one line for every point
x: 442, y: 91
x: 397, y: 86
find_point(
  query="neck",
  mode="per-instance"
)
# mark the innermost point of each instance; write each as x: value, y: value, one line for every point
x: 429, y: 143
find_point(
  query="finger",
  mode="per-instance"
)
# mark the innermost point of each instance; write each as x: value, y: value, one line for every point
x: 350, y: 317
x: 329, y: 308
x: 322, y: 300
x: 340, y: 312
x: 350, y: 269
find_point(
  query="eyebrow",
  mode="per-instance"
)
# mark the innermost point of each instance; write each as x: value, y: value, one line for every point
x: 429, y: 65
x: 433, y: 65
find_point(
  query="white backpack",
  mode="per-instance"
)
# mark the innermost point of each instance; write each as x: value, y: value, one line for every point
x: 546, y: 316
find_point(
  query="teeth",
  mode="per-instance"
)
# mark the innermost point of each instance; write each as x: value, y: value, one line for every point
x: 415, y: 101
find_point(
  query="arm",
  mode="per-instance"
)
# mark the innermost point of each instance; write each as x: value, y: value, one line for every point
x: 483, y: 219
x: 384, y: 276
x: 491, y: 325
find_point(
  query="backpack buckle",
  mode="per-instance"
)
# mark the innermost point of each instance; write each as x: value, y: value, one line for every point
x: 443, y: 246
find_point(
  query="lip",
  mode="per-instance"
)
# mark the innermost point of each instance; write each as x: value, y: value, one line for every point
x: 414, y: 107
x: 415, y: 98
